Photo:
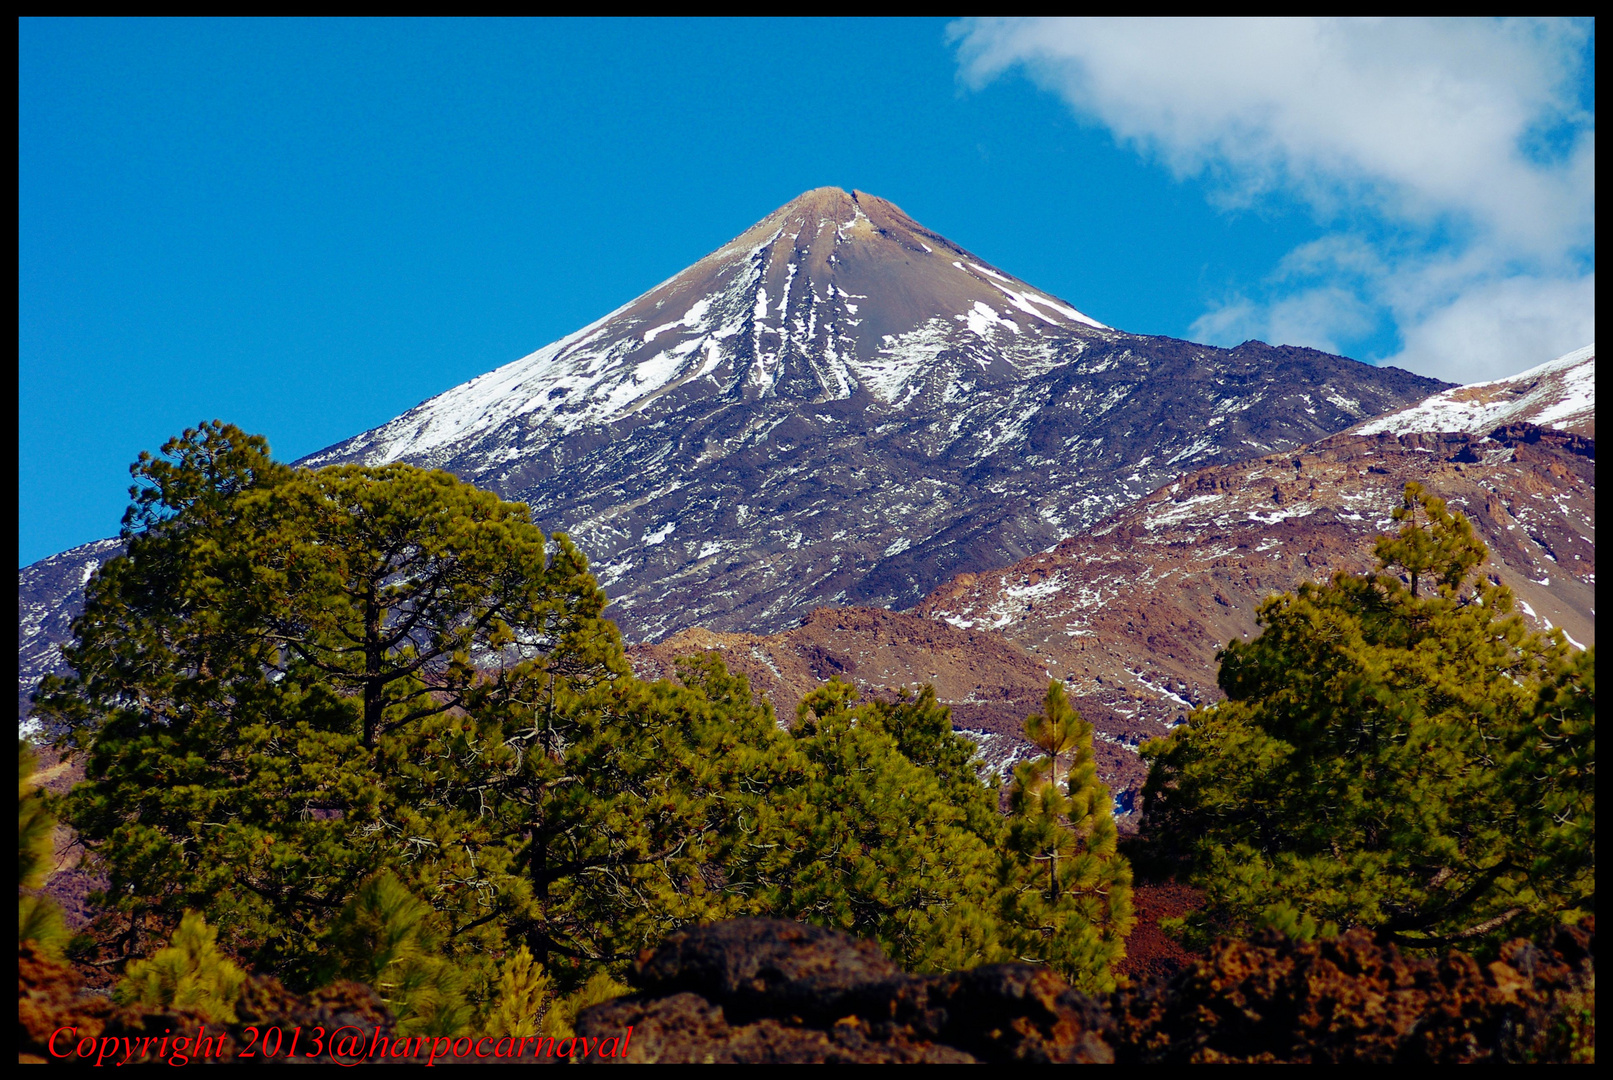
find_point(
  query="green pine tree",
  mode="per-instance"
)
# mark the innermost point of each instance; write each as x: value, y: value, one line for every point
x: 388, y: 939
x: 1067, y: 890
x: 294, y: 679
x: 525, y: 993
x: 1553, y: 772
x: 1364, y: 769
x: 190, y: 973
x: 39, y: 919
x: 859, y: 837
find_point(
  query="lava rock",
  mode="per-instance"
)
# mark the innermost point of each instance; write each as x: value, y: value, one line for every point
x: 770, y: 990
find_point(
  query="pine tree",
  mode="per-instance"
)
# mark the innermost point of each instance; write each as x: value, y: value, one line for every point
x: 1553, y: 772
x: 561, y: 1018
x: 388, y: 939
x: 1067, y: 890
x: 190, y: 973
x: 1361, y: 772
x: 39, y: 919
x: 295, y: 679
x: 860, y: 838
x: 525, y: 993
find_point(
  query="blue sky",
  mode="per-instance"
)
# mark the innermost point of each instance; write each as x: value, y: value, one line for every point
x: 306, y: 228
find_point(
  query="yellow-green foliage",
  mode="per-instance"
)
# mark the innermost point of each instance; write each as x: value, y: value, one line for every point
x: 524, y: 990
x: 386, y: 937
x: 527, y: 1004
x: 191, y: 973
x: 559, y: 1021
x: 39, y: 921
x: 1067, y: 895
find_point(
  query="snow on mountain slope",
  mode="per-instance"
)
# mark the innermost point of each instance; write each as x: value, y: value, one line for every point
x: 1559, y: 394
x: 50, y: 594
x: 783, y: 289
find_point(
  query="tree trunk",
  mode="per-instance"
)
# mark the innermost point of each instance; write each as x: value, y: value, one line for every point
x: 372, y: 666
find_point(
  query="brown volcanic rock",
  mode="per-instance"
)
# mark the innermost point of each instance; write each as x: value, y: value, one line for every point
x: 765, y: 967
x: 773, y: 991
x: 770, y: 990
x: 1152, y: 956
x: 1132, y: 613
x: 1353, y: 1000
x: 50, y: 997
x: 688, y: 1029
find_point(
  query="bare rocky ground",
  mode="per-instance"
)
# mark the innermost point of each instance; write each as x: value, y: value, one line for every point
x: 52, y: 997
x: 754, y: 991
x: 771, y: 991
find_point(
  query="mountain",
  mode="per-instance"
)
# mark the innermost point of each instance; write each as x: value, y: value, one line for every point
x: 839, y: 406
x: 1559, y: 394
x: 50, y: 594
x: 842, y: 406
x: 1130, y: 613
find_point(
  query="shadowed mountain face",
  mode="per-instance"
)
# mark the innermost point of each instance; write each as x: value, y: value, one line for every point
x: 840, y: 405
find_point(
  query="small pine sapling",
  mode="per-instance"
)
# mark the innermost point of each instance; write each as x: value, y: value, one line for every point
x: 39, y: 920
x: 190, y: 973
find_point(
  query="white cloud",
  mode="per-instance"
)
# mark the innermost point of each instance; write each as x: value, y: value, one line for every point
x: 1483, y: 333
x: 1461, y: 140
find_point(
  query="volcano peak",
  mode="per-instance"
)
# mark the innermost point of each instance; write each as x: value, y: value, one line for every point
x: 841, y: 404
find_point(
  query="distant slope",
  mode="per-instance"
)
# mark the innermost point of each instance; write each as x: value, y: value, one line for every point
x: 50, y: 594
x: 1130, y: 614
x: 1559, y: 394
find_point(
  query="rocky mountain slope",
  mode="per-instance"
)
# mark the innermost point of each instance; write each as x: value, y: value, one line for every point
x: 837, y: 406
x: 1559, y: 394
x: 50, y: 594
x: 1131, y: 613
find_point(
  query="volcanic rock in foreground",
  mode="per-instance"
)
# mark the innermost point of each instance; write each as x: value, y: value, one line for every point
x: 842, y: 406
x: 765, y: 990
